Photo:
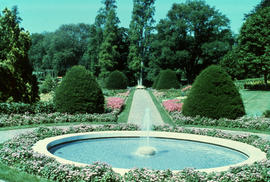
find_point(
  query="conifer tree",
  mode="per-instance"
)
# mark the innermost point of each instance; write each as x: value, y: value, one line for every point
x: 16, y: 79
x: 140, y: 30
x: 109, y: 55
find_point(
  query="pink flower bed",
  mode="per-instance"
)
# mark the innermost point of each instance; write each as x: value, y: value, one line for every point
x: 115, y: 102
x: 172, y: 105
x: 186, y: 88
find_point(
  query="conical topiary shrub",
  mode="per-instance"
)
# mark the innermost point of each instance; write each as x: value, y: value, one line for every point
x: 117, y: 80
x: 167, y: 80
x: 214, y: 95
x: 79, y: 93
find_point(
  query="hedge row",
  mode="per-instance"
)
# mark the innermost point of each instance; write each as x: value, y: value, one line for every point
x: 18, y: 153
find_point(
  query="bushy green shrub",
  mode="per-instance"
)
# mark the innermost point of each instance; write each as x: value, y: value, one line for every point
x: 48, y: 85
x: 214, y: 95
x: 79, y: 93
x: 117, y: 80
x: 266, y: 113
x: 154, y: 86
x: 167, y: 80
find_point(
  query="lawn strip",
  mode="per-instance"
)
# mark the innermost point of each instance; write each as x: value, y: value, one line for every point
x: 164, y: 115
x: 123, y: 116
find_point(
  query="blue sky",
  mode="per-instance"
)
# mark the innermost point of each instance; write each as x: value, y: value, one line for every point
x: 47, y: 15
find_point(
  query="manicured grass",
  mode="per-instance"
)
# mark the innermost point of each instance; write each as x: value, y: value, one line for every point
x: 123, y: 117
x: 164, y: 115
x: 255, y: 102
x: 12, y: 175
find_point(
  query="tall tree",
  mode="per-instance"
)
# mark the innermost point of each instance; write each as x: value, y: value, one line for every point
x: 192, y: 37
x: 261, y: 5
x: 96, y: 37
x: 109, y: 55
x: 140, y: 30
x: 254, y: 43
x: 37, y: 51
x: 16, y: 79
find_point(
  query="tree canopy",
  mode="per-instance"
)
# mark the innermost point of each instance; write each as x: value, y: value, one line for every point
x: 16, y: 79
x: 140, y: 29
x: 254, y: 43
x: 193, y: 36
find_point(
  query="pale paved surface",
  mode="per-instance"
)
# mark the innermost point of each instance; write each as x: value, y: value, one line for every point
x: 9, y: 134
x: 141, y: 101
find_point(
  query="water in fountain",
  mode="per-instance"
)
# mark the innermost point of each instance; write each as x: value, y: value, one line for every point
x: 145, y: 149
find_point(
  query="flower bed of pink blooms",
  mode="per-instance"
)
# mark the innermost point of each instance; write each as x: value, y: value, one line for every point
x: 115, y: 103
x: 172, y: 105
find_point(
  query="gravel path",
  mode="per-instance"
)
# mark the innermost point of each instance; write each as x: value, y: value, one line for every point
x: 9, y: 134
x: 142, y: 102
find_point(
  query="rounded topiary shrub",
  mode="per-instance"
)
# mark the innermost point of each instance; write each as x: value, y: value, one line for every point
x: 167, y: 80
x: 79, y: 93
x: 117, y: 80
x: 214, y: 95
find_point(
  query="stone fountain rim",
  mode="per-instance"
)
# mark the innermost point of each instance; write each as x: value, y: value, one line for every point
x: 254, y: 154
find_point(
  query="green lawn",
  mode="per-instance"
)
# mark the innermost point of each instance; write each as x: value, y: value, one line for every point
x: 256, y: 102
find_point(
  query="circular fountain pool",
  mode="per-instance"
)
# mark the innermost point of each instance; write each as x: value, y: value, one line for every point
x: 173, y: 151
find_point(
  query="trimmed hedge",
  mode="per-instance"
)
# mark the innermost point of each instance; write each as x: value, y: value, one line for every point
x: 116, y: 80
x: 214, y: 95
x: 167, y: 80
x: 79, y: 93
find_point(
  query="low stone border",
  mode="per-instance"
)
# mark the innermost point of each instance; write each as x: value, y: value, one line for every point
x: 254, y: 154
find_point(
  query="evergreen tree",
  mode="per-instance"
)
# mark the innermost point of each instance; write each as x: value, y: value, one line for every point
x: 140, y: 30
x: 214, y: 95
x: 254, y: 43
x: 109, y: 55
x: 16, y: 79
x: 96, y: 36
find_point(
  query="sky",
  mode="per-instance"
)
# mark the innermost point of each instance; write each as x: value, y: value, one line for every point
x: 47, y: 15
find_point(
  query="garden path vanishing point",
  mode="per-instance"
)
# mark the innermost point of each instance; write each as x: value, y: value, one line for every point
x: 142, y: 101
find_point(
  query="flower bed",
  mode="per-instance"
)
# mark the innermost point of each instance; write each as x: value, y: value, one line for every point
x: 258, y: 123
x: 172, y: 105
x: 7, y: 120
x: 174, y: 110
x: 18, y: 153
x: 115, y: 103
x: 19, y: 114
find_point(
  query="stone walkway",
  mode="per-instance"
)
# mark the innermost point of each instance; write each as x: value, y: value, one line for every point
x: 142, y: 102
